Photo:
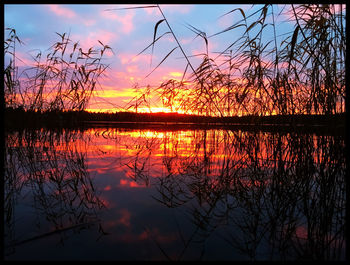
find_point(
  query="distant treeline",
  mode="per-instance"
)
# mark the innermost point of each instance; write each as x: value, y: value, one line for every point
x: 23, y: 118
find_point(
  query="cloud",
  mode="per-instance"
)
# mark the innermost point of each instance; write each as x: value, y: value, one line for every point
x: 22, y: 58
x: 185, y: 41
x: 66, y: 12
x: 171, y: 8
x: 119, y: 78
x: 126, y: 20
x: 288, y: 15
x: 176, y: 74
x: 92, y: 38
x: 88, y: 22
x: 112, y: 92
x: 62, y: 11
x: 141, y: 59
x: 132, y: 69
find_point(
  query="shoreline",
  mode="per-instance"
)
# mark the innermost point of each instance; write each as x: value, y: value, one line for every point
x: 20, y: 119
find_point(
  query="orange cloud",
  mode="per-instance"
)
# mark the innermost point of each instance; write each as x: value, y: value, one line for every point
x: 176, y: 74
x: 113, y: 92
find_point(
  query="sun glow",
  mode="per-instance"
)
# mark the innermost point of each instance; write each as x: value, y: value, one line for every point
x: 139, y: 110
x: 158, y: 109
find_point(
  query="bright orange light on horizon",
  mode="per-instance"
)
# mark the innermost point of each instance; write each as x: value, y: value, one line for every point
x: 139, y: 110
x: 161, y: 109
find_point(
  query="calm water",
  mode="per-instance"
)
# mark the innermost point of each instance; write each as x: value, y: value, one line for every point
x: 118, y: 194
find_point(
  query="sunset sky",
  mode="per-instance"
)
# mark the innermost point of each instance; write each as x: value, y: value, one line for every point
x: 128, y: 32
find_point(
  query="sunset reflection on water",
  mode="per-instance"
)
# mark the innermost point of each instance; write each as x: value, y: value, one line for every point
x: 122, y: 194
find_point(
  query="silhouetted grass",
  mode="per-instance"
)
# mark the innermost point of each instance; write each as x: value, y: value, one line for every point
x: 301, y: 74
x: 63, y: 79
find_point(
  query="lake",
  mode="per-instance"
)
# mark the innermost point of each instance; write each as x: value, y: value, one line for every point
x: 104, y: 193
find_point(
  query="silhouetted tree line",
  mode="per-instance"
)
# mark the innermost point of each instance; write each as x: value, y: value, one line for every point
x: 19, y: 117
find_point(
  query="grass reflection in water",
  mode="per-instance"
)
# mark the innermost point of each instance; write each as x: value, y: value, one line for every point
x: 184, y: 194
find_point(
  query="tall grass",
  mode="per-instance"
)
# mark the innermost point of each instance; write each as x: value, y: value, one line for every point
x: 263, y: 75
x: 11, y: 83
x: 62, y: 79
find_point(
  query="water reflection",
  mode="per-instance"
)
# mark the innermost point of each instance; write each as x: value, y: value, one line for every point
x: 194, y: 194
x: 46, y: 171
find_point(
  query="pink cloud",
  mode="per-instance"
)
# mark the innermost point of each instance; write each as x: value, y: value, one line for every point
x: 91, y: 40
x: 62, y: 11
x: 89, y: 22
x: 126, y: 58
x: 119, y: 78
x: 24, y: 59
x: 288, y: 13
x: 186, y: 40
x: 126, y: 20
x: 132, y: 69
x: 172, y: 8
x: 339, y: 8
x: 152, y: 11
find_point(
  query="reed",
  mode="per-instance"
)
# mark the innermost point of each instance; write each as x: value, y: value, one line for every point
x: 303, y: 73
x: 63, y: 79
